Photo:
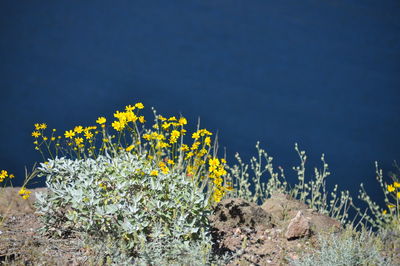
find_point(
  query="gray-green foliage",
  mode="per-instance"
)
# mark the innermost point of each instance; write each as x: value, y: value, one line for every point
x: 312, y: 192
x: 336, y: 250
x: 118, y: 197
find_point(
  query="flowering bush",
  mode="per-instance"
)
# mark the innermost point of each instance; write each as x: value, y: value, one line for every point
x: 162, y: 145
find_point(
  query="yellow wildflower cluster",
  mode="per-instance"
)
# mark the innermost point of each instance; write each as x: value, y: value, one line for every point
x: 128, y: 116
x: 164, y: 147
x: 217, y: 170
x: 4, y: 174
x: 394, y: 189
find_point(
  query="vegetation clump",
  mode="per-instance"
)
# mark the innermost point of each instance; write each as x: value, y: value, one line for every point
x: 149, y: 193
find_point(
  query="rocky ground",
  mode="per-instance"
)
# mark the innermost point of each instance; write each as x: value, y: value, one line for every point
x: 269, y: 234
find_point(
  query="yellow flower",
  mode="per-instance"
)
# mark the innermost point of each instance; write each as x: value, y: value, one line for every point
x: 105, y: 140
x: 162, y: 118
x: 185, y: 147
x: 43, y: 126
x: 53, y: 138
x: 24, y: 193
x: 37, y: 126
x: 130, y: 148
x: 11, y: 176
x: 390, y: 188
x: 35, y: 134
x: 223, y: 161
x: 391, y: 206
x: 165, y: 170
x: 129, y: 108
x: 118, y: 126
x: 170, y: 162
x: 196, y: 135
x: 139, y: 105
x: 45, y: 138
x: 396, y: 184
x: 3, y: 174
x: 398, y: 195
x: 141, y: 119
x: 101, y: 120
x: 207, y: 141
x: 88, y: 135
x: 154, y: 173
x: 78, y: 129
x: 195, y: 145
x: 172, y: 118
x: 175, y: 133
x: 78, y: 141
x: 69, y: 134
x: 384, y: 212
x: 36, y: 142
x: 165, y: 125
x: 182, y: 121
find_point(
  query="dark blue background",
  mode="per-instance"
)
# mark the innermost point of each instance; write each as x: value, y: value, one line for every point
x: 321, y: 73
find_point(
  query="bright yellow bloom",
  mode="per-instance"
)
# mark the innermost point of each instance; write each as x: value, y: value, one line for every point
x: 162, y: 118
x: 185, y: 147
x: 139, y: 105
x: 384, y: 212
x: 118, y: 126
x: 88, y: 134
x: 391, y: 206
x: 129, y: 108
x: 172, y: 118
x: 398, y: 195
x: 175, y: 133
x: 45, y: 138
x: 223, y: 161
x: 69, y: 134
x: 390, y: 188
x: 195, y: 145
x: 37, y: 126
x: 24, y: 193
x: 188, y: 155
x: 53, y: 138
x: 154, y: 173
x: 170, y: 162
x: 43, y: 126
x: 195, y: 136
x: 130, y: 148
x: 101, y: 120
x: 182, y: 121
x: 141, y: 119
x: 396, y: 184
x: 207, y: 141
x: 3, y: 174
x: 35, y: 134
x: 105, y: 140
x: 146, y: 137
x: 78, y: 141
x: 78, y: 129
x: 165, y: 125
x: 165, y: 170
x: 130, y: 117
x: 11, y: 176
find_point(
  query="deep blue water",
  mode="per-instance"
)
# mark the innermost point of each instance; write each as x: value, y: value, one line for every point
x: 321, y: 73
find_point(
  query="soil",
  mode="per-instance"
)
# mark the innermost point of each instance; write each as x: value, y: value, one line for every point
x: 22, y: 244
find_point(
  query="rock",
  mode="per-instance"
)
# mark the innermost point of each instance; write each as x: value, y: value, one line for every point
x: 266, y: 234
x: 298, y: 227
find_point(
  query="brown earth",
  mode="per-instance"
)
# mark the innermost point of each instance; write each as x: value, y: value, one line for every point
x: 269, y: 234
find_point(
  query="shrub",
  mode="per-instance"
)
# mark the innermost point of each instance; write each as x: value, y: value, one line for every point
x: 348, y: 249
x: 123, y: 197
